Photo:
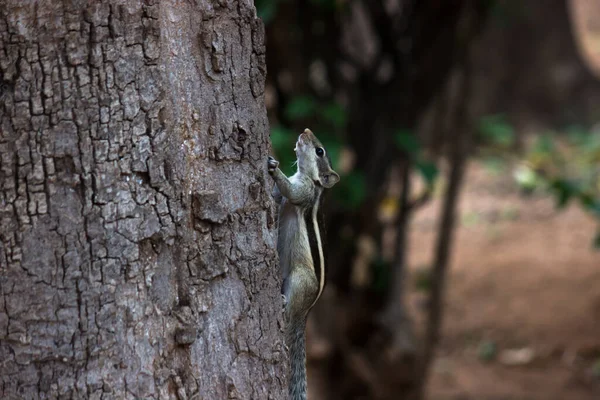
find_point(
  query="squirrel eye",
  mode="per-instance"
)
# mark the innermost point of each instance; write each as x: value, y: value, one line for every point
x: 320, y: 151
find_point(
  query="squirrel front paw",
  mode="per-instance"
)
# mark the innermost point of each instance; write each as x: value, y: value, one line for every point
x: 272, y: 165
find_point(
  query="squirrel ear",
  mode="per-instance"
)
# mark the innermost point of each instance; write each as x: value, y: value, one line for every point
x: 329, y: 179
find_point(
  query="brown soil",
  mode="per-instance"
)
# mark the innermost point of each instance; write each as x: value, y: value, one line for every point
x: 522, y: 276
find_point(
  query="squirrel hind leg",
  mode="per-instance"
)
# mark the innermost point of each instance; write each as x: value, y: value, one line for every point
x: 300, y: 290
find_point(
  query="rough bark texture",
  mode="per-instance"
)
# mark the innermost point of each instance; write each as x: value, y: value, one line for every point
x: 138, y: 247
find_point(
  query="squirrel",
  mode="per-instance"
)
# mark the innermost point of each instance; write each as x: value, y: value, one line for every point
x: 299, y: 245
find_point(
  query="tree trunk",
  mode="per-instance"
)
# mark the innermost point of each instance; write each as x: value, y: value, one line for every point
x: 461, y: 130
x: 138, y: 244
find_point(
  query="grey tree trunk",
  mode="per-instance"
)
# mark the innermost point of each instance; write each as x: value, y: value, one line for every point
x: 138, y: 245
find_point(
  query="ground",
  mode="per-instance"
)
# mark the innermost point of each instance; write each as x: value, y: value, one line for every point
x: 523, y: 276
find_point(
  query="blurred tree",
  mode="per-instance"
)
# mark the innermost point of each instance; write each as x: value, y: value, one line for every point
x: 585, y: 17
x: 137, y: 255
x: 384, y: 65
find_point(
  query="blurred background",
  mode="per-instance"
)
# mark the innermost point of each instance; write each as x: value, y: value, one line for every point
x: 464, y: 236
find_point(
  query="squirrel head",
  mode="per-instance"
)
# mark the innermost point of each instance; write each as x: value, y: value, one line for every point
x: 314, y: 161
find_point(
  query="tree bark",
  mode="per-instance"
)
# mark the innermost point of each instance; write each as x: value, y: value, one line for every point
x: 138, y: 245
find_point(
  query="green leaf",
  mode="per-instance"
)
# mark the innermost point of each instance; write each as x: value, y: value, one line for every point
x: 565, y: 190
x: 587, y: 200
x: 301, y: 107
x: 487, y: 351
x: 351, y: 190
x: 594, y: 207
x: 407, y: 142
x: 495, y: 165
x: 591, y: 146
x: 266, y: 9
x: 281, y: 138
x: 428, y: 171
x: 544, y: 144
x: 576, y: 135
x: 335, y: 115
x: 526, y: 178
x: 597, y: 241
x: 496, y: 130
